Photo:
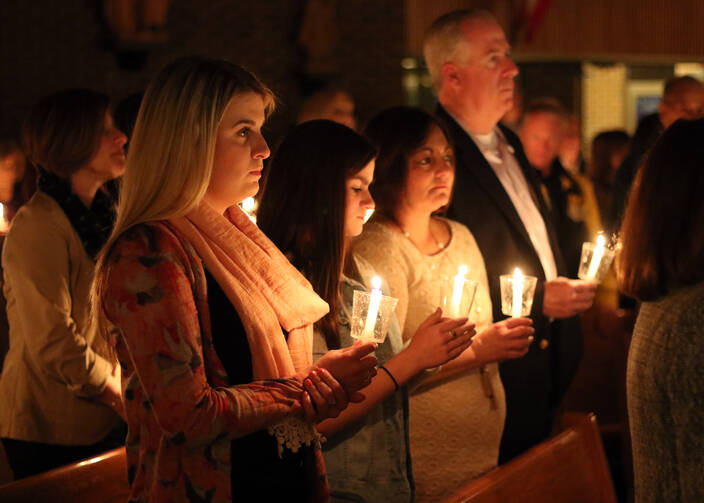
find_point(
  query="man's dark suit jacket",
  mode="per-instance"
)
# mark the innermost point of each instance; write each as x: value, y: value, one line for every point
x: 536, y: 383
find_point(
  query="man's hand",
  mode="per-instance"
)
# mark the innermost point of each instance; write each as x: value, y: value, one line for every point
x: 566, y: 297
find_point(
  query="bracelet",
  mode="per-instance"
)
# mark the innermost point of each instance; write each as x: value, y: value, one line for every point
x: 381, y: 367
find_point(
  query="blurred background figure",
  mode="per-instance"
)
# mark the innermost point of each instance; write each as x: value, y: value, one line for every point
x: 137, y: 22
x: 683, y: 98
x: 570, y: 202
x: 17, y: 179
x: 60, y: 395
x: 570, y: 150
x: 609, y: 148
x: 662, y: 265
x: 331, y: 103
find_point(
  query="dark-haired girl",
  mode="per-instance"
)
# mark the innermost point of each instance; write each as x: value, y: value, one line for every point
x: 315, y: 201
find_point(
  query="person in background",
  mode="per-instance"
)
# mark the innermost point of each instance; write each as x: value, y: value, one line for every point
x: 497, y: 196
x: 542, y: 133
x: 662, y: 265
x: 570, y: 150
x: 60, y: 395
x: 331, y: 103
x: 457, y: 411
x: 214, y: 326
x: 17, y: 178
x: 367, y: 453
x: 609, y: 148
x: 683, y: 98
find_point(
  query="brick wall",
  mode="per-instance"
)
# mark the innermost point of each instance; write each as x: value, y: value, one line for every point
x: 47, y: 45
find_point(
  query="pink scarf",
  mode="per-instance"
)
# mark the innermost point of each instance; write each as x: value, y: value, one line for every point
x: 265, y: 289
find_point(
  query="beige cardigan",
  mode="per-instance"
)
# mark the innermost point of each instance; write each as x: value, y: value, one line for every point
x: 53, y: 367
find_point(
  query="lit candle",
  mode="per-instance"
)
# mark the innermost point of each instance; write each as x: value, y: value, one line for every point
x: 517, y: 304
x: 596, y: 257
x: 457, y: 288
x: 248, y: 204
x: 374, y: 301
x: 4, y: 225
x: 368, y: 214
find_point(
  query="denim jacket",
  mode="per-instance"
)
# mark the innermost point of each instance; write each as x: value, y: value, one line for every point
x: 370, y: 461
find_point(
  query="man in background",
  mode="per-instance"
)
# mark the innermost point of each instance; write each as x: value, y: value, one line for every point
x: 542, y: 132
x: 498, y: 197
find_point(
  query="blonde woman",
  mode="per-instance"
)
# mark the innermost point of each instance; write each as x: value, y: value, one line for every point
x: 215, y: 326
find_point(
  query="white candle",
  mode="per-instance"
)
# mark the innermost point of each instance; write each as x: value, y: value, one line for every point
x: 457, y: 289
x: 249, y: 204
x: 517, y: 304
x: 596, y: 257
x: 374, y: 301
x: 4, y: 224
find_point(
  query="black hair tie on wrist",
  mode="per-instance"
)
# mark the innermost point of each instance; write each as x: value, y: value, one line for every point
x: 390, y: 376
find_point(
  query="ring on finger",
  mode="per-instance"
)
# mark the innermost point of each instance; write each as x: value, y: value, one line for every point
x: 453, y: 334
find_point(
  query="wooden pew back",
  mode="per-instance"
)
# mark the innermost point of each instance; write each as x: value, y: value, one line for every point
x: 570, y: 467
x: 102, y: 479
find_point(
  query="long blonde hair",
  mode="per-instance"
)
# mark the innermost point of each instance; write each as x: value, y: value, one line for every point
x: 170, y: 158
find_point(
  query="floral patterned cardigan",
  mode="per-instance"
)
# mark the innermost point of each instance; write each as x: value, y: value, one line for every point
x: 181, y: 412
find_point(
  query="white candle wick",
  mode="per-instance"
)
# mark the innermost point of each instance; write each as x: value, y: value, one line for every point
x: 374, y: 301
x: 517, y: 304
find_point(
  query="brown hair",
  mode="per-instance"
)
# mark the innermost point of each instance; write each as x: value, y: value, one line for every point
x: 396, y: 133
x: 302, y: 207
x: 63, y: 130
x: 663, y: 246
x: 603, y: 147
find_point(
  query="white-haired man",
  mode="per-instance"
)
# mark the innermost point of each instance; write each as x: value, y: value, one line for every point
x: 497, y: 196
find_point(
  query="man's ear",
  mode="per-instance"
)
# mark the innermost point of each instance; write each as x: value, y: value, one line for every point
x: 450, y: 74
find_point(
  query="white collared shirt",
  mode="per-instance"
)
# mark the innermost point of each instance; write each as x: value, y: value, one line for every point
x: 500, y: 156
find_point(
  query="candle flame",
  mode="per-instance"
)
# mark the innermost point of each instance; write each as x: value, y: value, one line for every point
x: 249, y: 204
x: 376, y: 282
x: 517, y: 273
x: 600, y: 240
x: 462, y: 270
x: 2, y: 211
x: 368, y: 214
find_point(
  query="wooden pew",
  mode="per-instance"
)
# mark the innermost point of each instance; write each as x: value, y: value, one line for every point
x: 570, y: 468
x: 102, y: 479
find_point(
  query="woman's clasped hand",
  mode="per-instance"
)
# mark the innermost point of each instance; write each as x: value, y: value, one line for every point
x: 353, y: 367
x: 439, y: 340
